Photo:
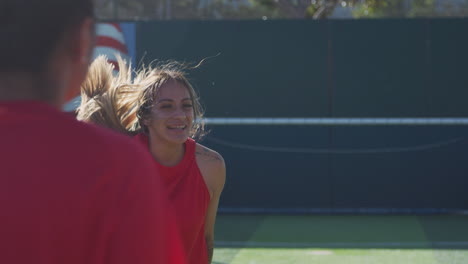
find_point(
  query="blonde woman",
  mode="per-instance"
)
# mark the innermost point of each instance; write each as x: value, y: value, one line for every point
x: 160, y: 108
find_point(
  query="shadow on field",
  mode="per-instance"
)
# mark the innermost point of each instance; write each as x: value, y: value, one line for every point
x: 342, y: 231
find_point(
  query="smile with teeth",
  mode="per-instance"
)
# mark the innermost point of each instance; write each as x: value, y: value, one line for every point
x: 177, y: 127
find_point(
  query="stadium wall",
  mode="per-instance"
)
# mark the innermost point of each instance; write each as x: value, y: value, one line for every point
x: 329, y: 68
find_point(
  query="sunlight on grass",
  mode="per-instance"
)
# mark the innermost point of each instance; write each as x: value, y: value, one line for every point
x: 339, y: 256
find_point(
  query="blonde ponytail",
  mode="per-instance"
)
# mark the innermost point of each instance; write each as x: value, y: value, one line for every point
x: 108, y: 100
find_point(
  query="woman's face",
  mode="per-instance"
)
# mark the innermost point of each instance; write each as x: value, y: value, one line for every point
x: 172, y: 114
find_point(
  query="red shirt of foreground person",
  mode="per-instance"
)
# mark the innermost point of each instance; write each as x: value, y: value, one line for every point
x: 107, y: 208
x: 70, y: 192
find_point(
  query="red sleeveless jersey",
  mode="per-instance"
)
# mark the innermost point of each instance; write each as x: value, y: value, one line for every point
x: 189, y: 195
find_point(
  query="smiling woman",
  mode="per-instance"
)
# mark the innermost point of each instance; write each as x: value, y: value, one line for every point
x: 169, y: 121
x: 159, y: 107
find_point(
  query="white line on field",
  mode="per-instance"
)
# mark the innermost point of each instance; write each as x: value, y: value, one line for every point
x: 340, y: 244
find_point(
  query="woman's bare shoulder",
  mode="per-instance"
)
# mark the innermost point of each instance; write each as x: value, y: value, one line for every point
x: 212, y: 167
x: 207, y: 155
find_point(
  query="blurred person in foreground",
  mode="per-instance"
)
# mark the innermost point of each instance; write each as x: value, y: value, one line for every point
x: 70, y: 192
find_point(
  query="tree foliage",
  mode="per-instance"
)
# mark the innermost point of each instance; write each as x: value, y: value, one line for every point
x: 276, y: 9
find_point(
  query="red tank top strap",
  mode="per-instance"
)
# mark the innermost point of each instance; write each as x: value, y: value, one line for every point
x: 190, y: 146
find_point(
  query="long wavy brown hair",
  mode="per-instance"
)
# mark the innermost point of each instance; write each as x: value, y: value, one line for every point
x: 121, y: 102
